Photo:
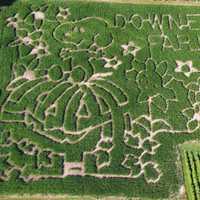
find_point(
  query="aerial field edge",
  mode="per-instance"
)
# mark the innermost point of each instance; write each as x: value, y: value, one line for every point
x: 148, y: 2
x: 159, y: 116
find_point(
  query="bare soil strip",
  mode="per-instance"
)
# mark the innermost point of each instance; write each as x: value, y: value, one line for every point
x: 155, y: 2
x: 66, y: 197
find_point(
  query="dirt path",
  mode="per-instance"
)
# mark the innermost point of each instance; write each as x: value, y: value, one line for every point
x: 65, y: 197
x: 156, y: 2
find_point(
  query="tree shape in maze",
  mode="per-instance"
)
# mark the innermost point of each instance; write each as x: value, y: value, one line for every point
x: 193, y: 112
x: 140, y: 136
x: 68, y: 87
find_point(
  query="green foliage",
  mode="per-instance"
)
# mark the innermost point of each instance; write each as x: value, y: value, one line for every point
x: 95, y: 98
x: 191, y: 168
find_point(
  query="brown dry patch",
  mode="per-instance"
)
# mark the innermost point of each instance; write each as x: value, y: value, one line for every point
x: 67, y: 197
x: 45, y: 197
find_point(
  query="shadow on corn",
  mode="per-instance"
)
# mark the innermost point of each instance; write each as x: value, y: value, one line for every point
x: 6, y: 2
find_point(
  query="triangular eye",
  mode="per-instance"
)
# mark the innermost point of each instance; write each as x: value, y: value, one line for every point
x: 83, y: 111
x: 51, y: 110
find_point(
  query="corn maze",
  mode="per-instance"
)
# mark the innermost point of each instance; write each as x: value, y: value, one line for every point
x: 96, y: 97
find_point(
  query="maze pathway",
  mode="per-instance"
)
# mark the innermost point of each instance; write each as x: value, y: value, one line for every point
x: 96, y: 97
